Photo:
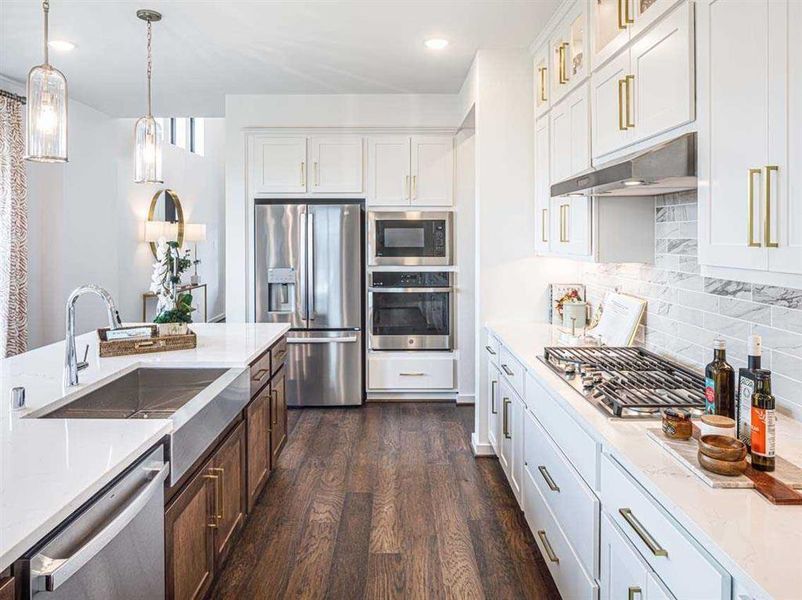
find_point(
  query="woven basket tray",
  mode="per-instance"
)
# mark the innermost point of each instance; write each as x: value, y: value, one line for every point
x: 157, y: 343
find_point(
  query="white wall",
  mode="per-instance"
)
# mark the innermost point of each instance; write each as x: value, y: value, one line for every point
x: 246, y: 111
x: 465, y: 200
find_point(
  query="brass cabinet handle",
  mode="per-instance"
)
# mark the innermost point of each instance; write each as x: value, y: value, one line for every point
x: 214, y: 516
x: 644, y: 535
x: 317, y: 174
x: 219, y: 497
x: 414, y: 186
x: 303, y: 174
x: 508, y: 371
x: 273, y: 413
x: 622, y: 124
x: 547, y: 546
x: 632, y: 591
x: 407, y: 189
x: 542, y: 72
x: 505, y: 426
x: 630, y: 79
x: 750, y: 207
x: 627, y: 16
x: 543, y: 220
x: 547, y: 478
x: 563, y: 63
x: 767, y: 217
x: 493, y: 385
x: 622, y: 23
x: 564, y: 223
x: 490, y: 350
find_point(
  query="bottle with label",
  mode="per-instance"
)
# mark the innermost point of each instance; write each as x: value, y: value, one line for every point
x: 763, y: 423
x: 720, y: 383
x: 746, y: 387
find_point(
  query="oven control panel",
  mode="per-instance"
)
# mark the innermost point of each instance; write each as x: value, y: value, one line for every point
x: 410, y: 279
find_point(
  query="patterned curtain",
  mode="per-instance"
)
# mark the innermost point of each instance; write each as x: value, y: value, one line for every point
x: 13, y: 231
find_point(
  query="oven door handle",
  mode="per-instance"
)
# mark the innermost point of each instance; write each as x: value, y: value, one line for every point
x: 323, y: 340
x: 422, y: 290
x: 50, y: 573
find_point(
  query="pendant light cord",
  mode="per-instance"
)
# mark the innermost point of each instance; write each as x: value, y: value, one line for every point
x: 46, y: 9
x: 150, y: 68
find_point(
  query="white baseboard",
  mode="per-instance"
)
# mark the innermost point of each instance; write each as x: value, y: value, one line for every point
x: 466, y: 399
x: 481, y: 449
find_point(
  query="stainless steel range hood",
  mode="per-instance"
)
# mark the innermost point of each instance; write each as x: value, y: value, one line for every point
x: 669, y: 167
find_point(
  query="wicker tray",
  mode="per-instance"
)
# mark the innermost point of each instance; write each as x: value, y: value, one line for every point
x: 157, y: 343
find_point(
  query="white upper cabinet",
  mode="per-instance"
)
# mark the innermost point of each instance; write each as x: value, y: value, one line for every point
x: 648, y: 88
x: 432, y: 171
x: 278, y: 165
x: 389, y: 179
x: 542, y: 185
x: 570, y: 136
x: 542, y: 80
x: 336, y: 165
x: 570, y: 230
x: 569, y: 48
x: 404, y: 171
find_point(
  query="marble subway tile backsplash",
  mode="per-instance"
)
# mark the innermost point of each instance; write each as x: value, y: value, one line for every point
x: 687, y: 311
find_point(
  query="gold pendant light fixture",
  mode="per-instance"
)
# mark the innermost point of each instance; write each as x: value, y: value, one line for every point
x: 47, y: 109
x: 148, y: 132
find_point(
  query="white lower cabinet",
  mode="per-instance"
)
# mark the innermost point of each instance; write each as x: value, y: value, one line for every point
x: 511, y: 443
x: 389, y: 371
x: 493, y: 395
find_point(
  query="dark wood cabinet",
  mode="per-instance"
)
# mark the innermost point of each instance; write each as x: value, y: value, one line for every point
x: 278, y: 416
x: 259, y: 449
x: 228, y: 466
x: 7, y: 588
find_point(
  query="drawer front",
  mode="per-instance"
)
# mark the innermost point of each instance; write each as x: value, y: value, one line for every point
x: 260, y: 373
x: 687, y: 570
x: 492, y: 348
x: 581, y: 450
x: 512, y: 370
x: 410, y: 373
x: 278, y: 354
x: 573, y: 504
x: 566, y: 569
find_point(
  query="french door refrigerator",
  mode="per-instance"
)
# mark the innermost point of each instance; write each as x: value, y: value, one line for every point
x: 309, y: 273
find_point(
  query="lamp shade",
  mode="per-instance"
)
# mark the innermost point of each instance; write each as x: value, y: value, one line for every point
x: 195, y: 232
x: 148, y: 151
x: 47, y: 115
x: 155, y: 230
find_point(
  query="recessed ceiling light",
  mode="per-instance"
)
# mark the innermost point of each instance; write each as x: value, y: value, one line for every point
x: 436, y: 43
x: 61, y: 45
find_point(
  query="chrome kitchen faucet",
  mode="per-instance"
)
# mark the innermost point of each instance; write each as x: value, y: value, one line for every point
x: 71, y: 366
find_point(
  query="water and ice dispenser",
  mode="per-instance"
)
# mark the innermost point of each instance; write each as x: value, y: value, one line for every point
x: 281, y: 284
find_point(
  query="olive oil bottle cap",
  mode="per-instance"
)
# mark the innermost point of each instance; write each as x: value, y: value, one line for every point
x: 719, y: 344
x: 754, y: 345
x: 763, y: 375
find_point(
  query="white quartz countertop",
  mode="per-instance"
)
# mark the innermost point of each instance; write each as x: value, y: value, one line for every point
x: 50, y: 467
x: 759, y: 543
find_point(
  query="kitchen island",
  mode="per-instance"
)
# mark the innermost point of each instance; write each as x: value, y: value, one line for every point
x: 51, y: 467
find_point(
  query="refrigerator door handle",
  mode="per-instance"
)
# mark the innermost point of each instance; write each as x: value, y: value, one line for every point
x: 310, y: 240
x: 323, y: 340
x: 303, y: 294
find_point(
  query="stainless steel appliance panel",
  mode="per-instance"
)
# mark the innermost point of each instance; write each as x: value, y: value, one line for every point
x: 113, y: 550
x: 410, y: 238
x: 280, y: 262
x: 324, y: 368
x: 335, y: 266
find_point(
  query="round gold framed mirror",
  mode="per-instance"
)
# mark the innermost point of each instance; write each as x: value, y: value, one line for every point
x: 165, y: 207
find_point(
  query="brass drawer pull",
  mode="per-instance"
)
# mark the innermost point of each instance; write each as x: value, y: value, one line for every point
x: 274, y: 413
x: 219, y: 497
x: 630, y: 79
x: 767, y: 218
x: 750, y: 207
x: 644, y: 535
x: 627, y: 16
x: 493, y: 385
x: 622, y: 125
x: 414, y: 186
x: 507, y: 370
x: 490, y: 350
x: 505, y: 425
x: 634, y: 590
x: 260, y: 373
x: 544, y: 218
x: 547, y: 478
x: 547, y: 546
x: 214, y: 517
x: 622, y: 23
x: 542, y: 72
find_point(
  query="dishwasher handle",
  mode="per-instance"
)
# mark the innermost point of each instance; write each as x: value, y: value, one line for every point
x: 322, y: 340
x: 50, y: 573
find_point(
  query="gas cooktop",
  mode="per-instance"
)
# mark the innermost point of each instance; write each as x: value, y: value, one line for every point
x: 627, y: 382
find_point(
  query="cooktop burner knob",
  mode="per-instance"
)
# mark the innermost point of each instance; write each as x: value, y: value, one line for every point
x: 587, y: 382
x: 597, y: 377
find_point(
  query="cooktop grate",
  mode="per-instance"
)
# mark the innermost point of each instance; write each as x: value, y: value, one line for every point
x: 627, y: 379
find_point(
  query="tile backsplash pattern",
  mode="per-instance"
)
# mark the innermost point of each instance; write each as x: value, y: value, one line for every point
x: 687, y: 311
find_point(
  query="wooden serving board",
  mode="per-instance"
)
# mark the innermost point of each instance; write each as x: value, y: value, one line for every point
x: 778, y: 486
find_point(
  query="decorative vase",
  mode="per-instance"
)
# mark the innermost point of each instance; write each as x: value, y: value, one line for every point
x: 173, y: 328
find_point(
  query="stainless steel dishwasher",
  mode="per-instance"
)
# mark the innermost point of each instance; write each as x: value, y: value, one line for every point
x: 112, y: 549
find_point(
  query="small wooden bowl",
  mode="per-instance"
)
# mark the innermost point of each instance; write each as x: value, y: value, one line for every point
x: 722, y: 447
x: 731, y: 468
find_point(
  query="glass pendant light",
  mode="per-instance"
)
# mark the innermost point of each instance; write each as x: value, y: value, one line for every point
x: 148, y: 132
x: 47, y: 109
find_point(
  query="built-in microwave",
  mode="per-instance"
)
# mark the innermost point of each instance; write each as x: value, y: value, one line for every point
x: 410, y: 238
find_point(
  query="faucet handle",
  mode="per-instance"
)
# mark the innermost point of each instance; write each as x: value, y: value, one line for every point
x: 84, y: 364
x: 17, y: 398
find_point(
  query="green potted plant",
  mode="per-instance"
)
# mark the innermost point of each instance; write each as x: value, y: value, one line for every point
x: 173, y: 309
x: 175, y: 321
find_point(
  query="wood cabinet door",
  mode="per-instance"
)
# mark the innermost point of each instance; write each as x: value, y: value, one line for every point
x: 7, y: 588
x: 432, y: 170
x: 228, y: 465
x: 542, y: 185
x: 278, y: 165
x: 389, y: 179
x: 258, y: 425
x: 189, y: 546
x: 336, y: 165
x: 278, y: 416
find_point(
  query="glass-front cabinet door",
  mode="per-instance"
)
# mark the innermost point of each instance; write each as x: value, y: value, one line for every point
x: 610, y: 25
x: 569, y: 51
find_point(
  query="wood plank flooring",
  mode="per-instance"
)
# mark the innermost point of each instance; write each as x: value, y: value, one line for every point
x: 380, y: 502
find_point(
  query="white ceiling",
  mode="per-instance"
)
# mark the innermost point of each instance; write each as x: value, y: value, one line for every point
x: 206, y: 49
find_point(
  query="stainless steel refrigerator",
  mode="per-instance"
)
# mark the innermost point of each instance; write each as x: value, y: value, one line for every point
x: 309, y: 273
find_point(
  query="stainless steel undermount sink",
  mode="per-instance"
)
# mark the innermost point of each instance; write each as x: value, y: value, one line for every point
x: 144, y: 393
x: 201, y: 402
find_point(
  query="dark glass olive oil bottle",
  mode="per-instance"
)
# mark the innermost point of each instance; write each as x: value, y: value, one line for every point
x: 746, y: 387
x: 763, y: 423
x: 720, y: 383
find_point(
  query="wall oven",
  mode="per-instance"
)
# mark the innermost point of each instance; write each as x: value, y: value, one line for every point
x: 410, y: 310
x: 410, y: 238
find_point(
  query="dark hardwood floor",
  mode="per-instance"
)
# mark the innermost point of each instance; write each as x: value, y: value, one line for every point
x: 385, y: 501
